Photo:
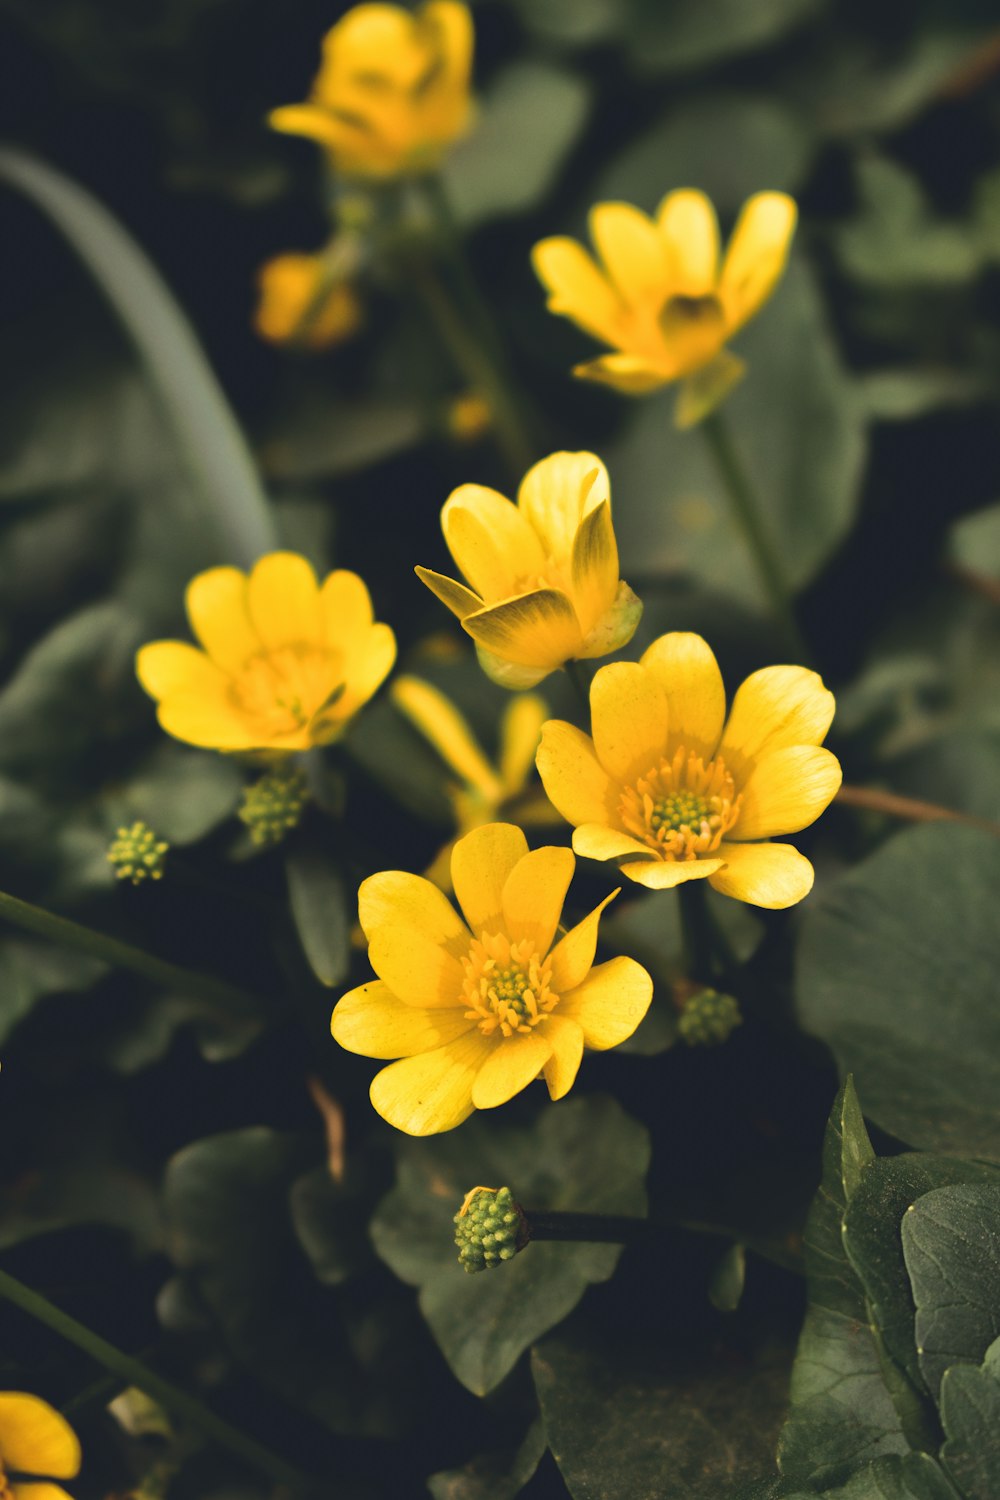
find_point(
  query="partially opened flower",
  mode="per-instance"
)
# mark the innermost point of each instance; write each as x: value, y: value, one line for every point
x: 477, y: 1009
x: 286, y: 663
x: 392, y: 92
x: 37, y: 1445
x: 672, y: 790
x: 291, y: 307
x: 542, y: 574
x: 662, y: 297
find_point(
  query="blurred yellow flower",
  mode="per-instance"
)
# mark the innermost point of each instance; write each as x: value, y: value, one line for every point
x: 477, y: 1011
x: 672, y: 790
x: 288, y: 286
x: 661, y: 299
x: 469, y: 417
x: 285, y: 664
x: 392, y: 92
x: 543, y: 573
x: 35, y: 1440
x: 484, y: 793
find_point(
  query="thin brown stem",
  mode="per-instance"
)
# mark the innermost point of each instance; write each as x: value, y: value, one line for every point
x: 912, y: 809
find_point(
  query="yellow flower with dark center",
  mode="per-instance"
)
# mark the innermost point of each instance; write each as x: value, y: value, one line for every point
x: 662, y: 297
x: 477, y: 1009
x: 392, y: 92
x: 672, y: 790
x: 37, y: 1445
x: 543, y: 573
x: 288, y: 285
x: 285, y: 665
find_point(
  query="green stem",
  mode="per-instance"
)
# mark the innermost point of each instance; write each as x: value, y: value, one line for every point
x: 134, y: 1372
x: 745, y: 508
x: 695, y: 930
x: 602, y: 1229
x: 123, y: 956
x: 574, y: 672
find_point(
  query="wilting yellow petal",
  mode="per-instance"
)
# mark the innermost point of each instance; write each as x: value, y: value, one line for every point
x: 691, y: 232
x: 480, y: 865
x: 575, y: 782
x: 454, y: 596
x: 774, y: 707
x: 786, y: 790
x: 208, y: 718
x: 598, y: 841
x: 537, y: 630
x: 565, y: 1037
x: 520, y: 731
x: 610, y: 1002
x: 283, y: 600
x: 216, y: 603
x: 169, y: 667
x: 706, y: 388
x: 35, y: 1439
x: 439, y: 721
x: 345, y: 608
x: 577, y: 288
x: 595, y: 567
x: 771, y: 875
x: 491, y: 541
x: 372, y: 1021
x: 757, y: 254
x: 432, y: 1092
x: 556, y: 494
x: 628, y: 373
x: 573, y: 956
x: 664, y: 874
x: 633, y: 251
x: 684, y: 665
x: 533, y: 896
x: 629, y: 713
x: 397, y: 899
x: 514, y: 1063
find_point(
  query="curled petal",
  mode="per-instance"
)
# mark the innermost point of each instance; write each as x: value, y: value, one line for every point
x: 454, y: 596
x: 557, y: 493
x: 664, y: 874
x: 538, y: 630
x: 595, y: 567
x: 573, y: 955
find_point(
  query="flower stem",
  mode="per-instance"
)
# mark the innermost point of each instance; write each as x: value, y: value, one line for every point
x: 745, y: 508
x: 696, y: 937
x: 574, y: 672
x: 911, y: 808
x: 133, y: 1372
x: 603, y: 1229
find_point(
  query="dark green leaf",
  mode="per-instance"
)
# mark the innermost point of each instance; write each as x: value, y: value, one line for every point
x: 330, y: 1220
x: 30, y: 970
x: 492, y: 1476
x: 320, y: 911
x: 970, y: 1410
x: 669, y: 35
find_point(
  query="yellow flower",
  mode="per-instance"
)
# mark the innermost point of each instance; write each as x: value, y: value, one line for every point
x: 673, y: 790
x: 485, y: 793
x: 35, y: 1440
x: 288, y: 284
x: 392, y: 92
x: 543, y: 573
x: 285, y: 665
x: 476, y: 1012
x: 661, y: 299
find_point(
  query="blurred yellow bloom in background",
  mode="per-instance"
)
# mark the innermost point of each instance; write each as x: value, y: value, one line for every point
x: 484, y: 793
x: 392, y: 92
x: 660, y: 296
x: 476, y: 1012
x: 672, y: 790
x: 35, y: 1440
x: 543, y: 574
x: 288, y: 286
x: 285, y: 664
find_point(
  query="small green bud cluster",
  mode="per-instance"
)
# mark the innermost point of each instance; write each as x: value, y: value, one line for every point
x: 708, y: 1018
x: 489, y: 1229
x: 136, y: 854
x: 272, y: 806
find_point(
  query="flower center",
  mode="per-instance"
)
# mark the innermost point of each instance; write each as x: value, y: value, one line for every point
x: 506, y: 985
x: 682, y: 808
x: 282, y: 690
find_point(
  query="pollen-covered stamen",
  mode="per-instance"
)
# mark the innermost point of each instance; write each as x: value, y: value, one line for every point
x: 506, y: 985
x: 682, y: 808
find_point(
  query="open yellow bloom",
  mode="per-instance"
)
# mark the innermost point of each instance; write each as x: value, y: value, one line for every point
x: 392, y: 92
x: 288, y: 284
x: 286, y: 662
x: 476, y: 1012
x: 672, y: 790
x: 661, y: 298
x: 543, y: 573
x: 35, y: 1441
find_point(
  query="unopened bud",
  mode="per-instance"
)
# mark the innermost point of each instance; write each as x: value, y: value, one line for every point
x: 137, y: 854
x: 489, y: 1228
x: 708, y: 1018
x: 272, y: 806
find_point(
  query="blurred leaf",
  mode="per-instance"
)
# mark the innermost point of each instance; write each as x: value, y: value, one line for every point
x: 895, y: 241
x: 572, y: 22
x: 669, y: 35
x: 528, y: 121
x: 970, y: 1408
x: 31, y: 970
x: 901, y: 395
x: 492, y: 1476
x: 320, y: 913
x: 894, y: 966
x: 324, y: 435
x: 182, y: 793
x: 959, y: 770
x: 974, y: 542
x: 330, y: 1220
x: 144, y: 1029
x: 585, y: 1154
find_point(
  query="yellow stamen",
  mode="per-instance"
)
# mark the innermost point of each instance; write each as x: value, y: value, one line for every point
x: 284, y: 689
x: 506, y: 985
x: 682, y: 808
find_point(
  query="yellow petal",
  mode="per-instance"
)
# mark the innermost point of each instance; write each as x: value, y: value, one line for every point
x: 397, y: 899
x: 38, y: 1490
x: 431, y: 1092
x: 664, y: 874
x: 35, y: 1439
x: 368, y: 665
x: 538, y: 630
x: 598, y: 841
x: 217, y: 608
x: 452, y: 22
x: 372, y: 1021
x: 520, y: 731
x: 418, y: 971
x: 627, y: 373
x: 610, y: 1002
x: 533, y: 896
x: 439, y: 721
x: 628, y: 708
x: 577, y: 288
x: 774, y: 707
x: 573, y: 955
x: 691, y: 233
x: 633, y: 251
x: 508, y: 674
x: 595, y: 568
x: 514, y: 1063
x: 480, y: 865
x: 283, y: 601
x: 786, y: 791
x: 771, y: 875
x: 757, y: 254
x: 208, y: 718
x: 556, y: 494
x: 565, y: 1037
x: 490, y: 540
x: 575, y: 782
x: 454, y: 596
x: 685, y: 667
x: 706, y: 388
x: 616, y: 626
x: 308, y: 121
x: 345, y: 607
x: 168, y: 667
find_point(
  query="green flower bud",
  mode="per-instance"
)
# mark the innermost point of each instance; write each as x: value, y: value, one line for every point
x: 136, y: 854
x: 489, y: 1229
x: 708, y: 1018
x: 272, y: 806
